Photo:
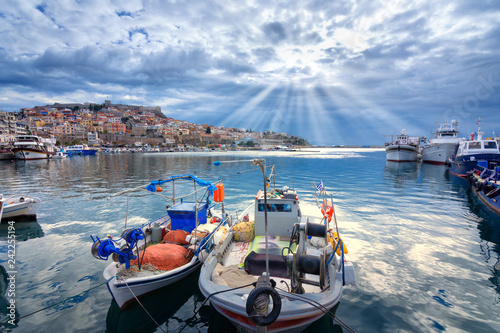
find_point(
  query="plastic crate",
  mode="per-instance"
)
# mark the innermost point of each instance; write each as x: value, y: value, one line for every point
x: 183, y: 215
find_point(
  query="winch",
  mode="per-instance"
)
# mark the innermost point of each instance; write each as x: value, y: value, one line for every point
x: 121, y: 249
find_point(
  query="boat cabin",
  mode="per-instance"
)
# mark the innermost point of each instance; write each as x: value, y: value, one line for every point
x: 27, y: 140
x: 478, y: 147
x: 447, y: 130
x: 282, y: 212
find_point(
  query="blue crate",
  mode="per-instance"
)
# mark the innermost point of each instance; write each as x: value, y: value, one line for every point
x: 483, y: 163
x: 183, y: 215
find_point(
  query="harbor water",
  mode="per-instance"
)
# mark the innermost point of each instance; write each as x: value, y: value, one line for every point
x: 425, y: 250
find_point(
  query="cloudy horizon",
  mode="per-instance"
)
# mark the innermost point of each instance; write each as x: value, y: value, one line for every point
x: 345, y: 72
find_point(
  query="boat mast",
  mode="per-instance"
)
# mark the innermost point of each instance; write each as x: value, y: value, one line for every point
x: 261, y: 163
x: 479, y: 133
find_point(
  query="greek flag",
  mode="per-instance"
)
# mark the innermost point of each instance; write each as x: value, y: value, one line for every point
x: 320, y: 186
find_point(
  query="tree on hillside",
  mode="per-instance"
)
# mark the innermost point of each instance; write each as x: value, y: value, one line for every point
x: 209, y: 130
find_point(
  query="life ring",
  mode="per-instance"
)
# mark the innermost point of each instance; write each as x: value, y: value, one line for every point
x: 252, y: 313
x: 403, y: 142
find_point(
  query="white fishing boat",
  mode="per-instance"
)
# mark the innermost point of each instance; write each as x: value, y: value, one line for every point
x: 19, y: 205
x: 442, y: 146
x: 280, y: 267
x: 403, y: 148
x: 32, y: 147
x: 163, y: 251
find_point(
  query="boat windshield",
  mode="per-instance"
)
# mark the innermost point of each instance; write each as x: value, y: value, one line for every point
x: 475, y: 145
x: 276, y: 208
x: 490, y: 145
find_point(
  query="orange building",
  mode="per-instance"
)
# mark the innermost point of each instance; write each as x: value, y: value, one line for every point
x: 115, y: 128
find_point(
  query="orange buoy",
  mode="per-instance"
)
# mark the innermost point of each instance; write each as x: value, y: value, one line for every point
x: 219, y: 193
x: 159, y: 189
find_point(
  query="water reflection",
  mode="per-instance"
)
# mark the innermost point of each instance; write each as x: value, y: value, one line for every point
x: 7, y: 314
x: 163, y: 305
x: 24, y: 230
x: 400, y: 173
x: 434, y: 172
x: 488, y: 225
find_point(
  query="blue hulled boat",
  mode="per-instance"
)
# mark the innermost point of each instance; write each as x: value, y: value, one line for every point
x: 83, y: 150
x: 469, y: 152
x: 485, y: 184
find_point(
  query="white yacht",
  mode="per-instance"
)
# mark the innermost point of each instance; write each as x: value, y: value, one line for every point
x: 32, y: 147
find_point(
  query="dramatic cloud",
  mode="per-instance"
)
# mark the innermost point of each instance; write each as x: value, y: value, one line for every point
x: 335, y: 72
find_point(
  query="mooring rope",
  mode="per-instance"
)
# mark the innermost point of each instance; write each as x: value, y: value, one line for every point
x: 64, y: 300
x: 145, y: 310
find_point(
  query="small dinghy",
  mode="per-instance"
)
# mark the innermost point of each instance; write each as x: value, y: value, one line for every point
x: 19, y: 206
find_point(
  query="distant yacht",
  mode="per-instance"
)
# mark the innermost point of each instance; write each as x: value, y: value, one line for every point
x: 442, y: 146
x: 403, y: 149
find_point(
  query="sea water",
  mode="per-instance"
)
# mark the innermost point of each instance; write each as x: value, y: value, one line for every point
x: 425, y: 250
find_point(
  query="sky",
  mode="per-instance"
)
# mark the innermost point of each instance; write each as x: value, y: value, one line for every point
x: 333, y: 72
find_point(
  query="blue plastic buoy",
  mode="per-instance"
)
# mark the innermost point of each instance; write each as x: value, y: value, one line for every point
x: 217, y: 163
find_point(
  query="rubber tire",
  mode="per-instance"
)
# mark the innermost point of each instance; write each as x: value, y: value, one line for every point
x: 271, y: 317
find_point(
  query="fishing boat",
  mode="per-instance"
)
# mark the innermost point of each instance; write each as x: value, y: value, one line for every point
x: 468, y: 153
x: 281, y: 266
x: 485, y: 182
x: 19, y: 206
x: 32, y: 147
x: 165, y: 250
x: 442, y: 146
x: 403, y: 148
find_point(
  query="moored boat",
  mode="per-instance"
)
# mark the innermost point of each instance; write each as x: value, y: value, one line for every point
x: 403, y: 148
x: 485, y: 184
x: 19, y: 206
x: 280, y: 267
x: 6, y: 153
x: 442, y: 146
x: 32, y: 147
x: 163, y: 251
x: 59, y: 155
x: 469, y: 152
x: 83, y: 150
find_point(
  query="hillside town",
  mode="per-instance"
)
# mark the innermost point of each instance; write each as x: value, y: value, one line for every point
x: 119, y: 125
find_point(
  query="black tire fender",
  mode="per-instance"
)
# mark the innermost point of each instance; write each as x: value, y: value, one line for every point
x: 252, y: 313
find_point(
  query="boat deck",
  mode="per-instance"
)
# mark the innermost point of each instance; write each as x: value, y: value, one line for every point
x: 238, y: 251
